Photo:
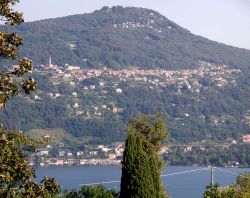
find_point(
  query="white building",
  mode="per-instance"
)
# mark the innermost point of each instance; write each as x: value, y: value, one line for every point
x: 61, y: 153
x: 93, y: 152
x: 44, y: 152
x: 71, y: 67
x: 118, y: 90
x: 92, y: 87
x: 69, y: 154
x: 76, y: 105
x: 79, y: 153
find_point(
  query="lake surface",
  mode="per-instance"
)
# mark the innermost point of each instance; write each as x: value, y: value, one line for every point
x: 180, y: 181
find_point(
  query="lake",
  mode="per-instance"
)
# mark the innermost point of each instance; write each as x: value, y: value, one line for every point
x: 180, y: 181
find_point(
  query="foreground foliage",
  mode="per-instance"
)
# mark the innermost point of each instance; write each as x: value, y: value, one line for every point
x: 16, y: 176
x: 241, y: 189
x: 91, y: 192
x: 12, y: 82
x: 141, y: 165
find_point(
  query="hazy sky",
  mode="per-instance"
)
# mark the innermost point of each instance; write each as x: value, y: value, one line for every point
x: 226, y: 21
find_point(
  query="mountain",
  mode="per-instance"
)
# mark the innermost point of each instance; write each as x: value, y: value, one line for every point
x: 119, y: 38
x: 201, y: 86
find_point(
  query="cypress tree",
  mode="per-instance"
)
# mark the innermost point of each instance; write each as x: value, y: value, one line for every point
x: 137, y: 180
x: 141, y: 165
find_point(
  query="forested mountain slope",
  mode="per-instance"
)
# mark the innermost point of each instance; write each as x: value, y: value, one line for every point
x: 201, y: 86
x: 123, y: 37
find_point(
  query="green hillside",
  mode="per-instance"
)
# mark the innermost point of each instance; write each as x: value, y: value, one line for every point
x: 204, y: 92
x: 121, y: 37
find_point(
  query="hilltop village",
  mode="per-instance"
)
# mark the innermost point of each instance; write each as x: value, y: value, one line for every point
x: 222, y: 75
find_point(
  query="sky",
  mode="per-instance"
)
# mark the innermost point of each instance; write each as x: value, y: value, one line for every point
x: 226, y: 21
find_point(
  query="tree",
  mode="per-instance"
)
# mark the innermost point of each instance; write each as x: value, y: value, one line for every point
x: 15, y: 173
x: 212, y: 191
x: 91, y: 192
x: 141, y: 165
x: 137, y: 180
x: 241, y: 189
x: 243, y: 184
x: 12, y: 82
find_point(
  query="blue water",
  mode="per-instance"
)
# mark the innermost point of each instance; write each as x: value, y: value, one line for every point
x: 188, y: 185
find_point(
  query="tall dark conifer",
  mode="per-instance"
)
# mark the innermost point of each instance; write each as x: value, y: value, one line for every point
x: 137, y: 180
x: 141, y: 165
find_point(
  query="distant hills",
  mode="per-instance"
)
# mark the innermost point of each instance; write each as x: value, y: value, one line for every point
x: 119, y: 38
x: 210, y: 105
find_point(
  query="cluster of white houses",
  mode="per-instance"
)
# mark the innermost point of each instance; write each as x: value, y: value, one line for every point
x: 221, y: 75
x: 104, y: 154
x: 59, y: 156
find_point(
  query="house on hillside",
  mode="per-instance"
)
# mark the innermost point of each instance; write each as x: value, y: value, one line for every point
x: 246, y: 138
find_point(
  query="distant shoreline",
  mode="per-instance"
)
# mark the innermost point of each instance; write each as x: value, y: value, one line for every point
x: 119, y: 164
